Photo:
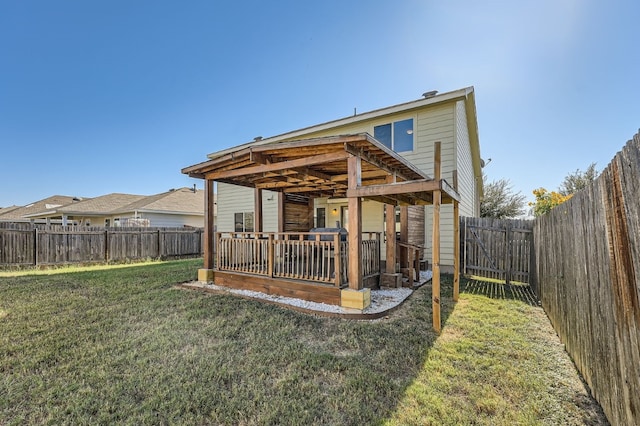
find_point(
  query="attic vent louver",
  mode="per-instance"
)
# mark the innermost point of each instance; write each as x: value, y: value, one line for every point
x: 430, y: 94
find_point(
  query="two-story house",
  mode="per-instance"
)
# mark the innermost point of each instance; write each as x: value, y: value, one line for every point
x: 252, y: 187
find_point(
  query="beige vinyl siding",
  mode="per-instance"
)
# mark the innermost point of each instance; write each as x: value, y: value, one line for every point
x: 173, y: 220
x: 269, y: 211
x: 466, y: 179
x: 232, y: 199
x: 437, y: 124
x: 431, y: 126
x: 236, y: 199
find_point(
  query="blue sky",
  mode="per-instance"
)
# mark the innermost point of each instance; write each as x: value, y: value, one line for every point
x: 118, y: 96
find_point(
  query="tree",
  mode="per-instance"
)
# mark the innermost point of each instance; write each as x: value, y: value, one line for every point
x: 500, y: 201
x: 546, y: 200
x: 577, y: 180
x: 573, y: 182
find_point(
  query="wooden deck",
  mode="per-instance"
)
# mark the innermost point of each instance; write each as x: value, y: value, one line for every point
x: 308, y: 266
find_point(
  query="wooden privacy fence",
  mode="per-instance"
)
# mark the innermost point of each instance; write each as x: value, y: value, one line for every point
x: 56, y: 245
x: 497, y: 248
x: 588, y: 277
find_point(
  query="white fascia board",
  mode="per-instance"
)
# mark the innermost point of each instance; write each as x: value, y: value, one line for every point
x: 170, y: 212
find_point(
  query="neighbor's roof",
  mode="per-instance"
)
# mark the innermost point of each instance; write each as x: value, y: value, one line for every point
x: 5, y: 210
x: 104, y: 204
x: 176, y: 201
x: 21, y: 213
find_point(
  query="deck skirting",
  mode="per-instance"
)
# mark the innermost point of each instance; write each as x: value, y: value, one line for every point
x: 305, y: 290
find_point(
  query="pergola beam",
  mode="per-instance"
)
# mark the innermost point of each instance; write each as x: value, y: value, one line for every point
x: 373, y: 160
x: 408, y: 187
x: 282, y: 165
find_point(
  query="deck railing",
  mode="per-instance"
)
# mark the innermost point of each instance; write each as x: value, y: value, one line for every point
x: 309, y: 256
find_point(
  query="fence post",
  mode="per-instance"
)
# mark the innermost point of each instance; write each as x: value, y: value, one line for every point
x: 463, y: 238
x: 507, y: 259
x: 35, y: 246
x: 159, y: 244
x: 106, y: 246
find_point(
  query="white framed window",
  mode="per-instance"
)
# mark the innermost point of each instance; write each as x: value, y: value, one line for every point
x: 397, y: 136
x: 243, y: 222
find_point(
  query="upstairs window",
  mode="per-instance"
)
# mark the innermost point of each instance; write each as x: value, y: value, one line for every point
x: 397, y: 136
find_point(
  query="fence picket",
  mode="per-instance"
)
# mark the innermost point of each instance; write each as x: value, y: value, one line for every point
x: 496, y: 248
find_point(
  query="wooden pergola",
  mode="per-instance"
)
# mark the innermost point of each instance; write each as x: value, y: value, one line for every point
x: 355, y: 167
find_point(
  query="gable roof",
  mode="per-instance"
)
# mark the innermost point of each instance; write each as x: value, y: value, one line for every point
x: 104, y: 204
x: 49, y: 203
x: 176, y: 201
x: 467, y: 94
x: 4, y: 210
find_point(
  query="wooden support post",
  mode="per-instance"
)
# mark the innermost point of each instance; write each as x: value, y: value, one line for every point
x: 390, y: 233
x: 337, y: 260
x: 412, y: 272
x: 456, y: 242
x: 106, y: 246
x: 404, y: 236
x: 257, y: 206
x: 311, y: 213
x: 208, y: 224
x: 456, y: 251
x: 354, y: 173
x: 437, y: 200
x: 270, y: 248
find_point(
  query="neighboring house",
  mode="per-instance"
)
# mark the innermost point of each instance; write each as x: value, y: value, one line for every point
x: 4, y: 210
x: 411, y: 130
x: 180, y: 207
x: 21, y: 214
x: 174, y: 208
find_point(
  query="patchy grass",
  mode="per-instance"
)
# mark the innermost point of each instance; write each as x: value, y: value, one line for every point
x: 122, y: 345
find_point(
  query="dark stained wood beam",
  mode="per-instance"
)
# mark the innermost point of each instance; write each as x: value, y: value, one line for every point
x: 306, y: 171
x: 257, y: 206
x: 284, y: 165
x: 372, y: 159
x: 396, y: 188
x: 354, y: 170
x: 209, y: 236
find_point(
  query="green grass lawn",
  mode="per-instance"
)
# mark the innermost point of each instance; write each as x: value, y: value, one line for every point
x: 123, y: 345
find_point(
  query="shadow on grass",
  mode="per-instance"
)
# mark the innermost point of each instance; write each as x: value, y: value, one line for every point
x: 497, y: 290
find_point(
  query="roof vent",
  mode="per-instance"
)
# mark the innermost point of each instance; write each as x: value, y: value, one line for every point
x: 257, y: 138
x: 430, y: 94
